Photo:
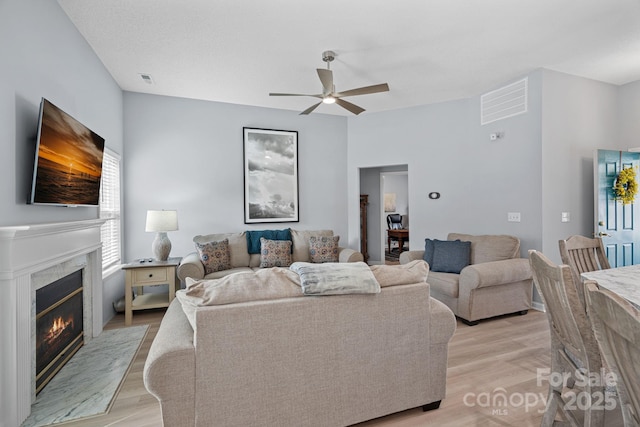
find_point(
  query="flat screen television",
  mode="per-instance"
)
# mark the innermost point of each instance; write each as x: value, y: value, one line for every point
x: 68, y: 160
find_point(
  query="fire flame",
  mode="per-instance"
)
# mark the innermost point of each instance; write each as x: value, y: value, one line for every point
x: 57, y: 327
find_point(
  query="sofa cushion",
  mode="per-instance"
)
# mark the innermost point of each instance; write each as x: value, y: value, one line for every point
x: 270, y: 283
x: 445, y: 283
x: 450, y: 256
x: 237, y: 246
x: 300, y: 240
x: 222, y: 273
x: 323, y: 248
x: 404, y: 274
x: 214, y: 255
x: 254, y: 236
x: 275, y: 253
x: 487, y: 248
x: 266, y: 284
x: 334, y: 278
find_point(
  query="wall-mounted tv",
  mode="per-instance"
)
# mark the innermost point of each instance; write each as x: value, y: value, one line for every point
x: 68, y: 161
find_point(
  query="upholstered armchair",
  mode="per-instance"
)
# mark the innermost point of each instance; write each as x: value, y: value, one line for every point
x: 493, y: 280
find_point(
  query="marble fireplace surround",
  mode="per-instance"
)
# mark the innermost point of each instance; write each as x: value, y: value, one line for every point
x: 31, y: 257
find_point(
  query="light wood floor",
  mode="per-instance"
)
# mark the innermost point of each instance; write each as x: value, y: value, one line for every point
x: 500, y: 355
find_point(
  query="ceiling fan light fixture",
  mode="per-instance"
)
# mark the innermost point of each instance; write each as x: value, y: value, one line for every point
x: 328, y: 100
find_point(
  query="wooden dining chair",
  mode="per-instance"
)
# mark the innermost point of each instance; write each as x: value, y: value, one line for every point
x: 583, y: 254
x: 616, y: 324
x: 573, y: 345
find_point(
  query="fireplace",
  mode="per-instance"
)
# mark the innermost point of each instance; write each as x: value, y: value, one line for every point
x: 31, y: 258
x: 59, y: 328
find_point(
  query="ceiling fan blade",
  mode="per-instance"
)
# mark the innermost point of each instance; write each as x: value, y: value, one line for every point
x: 310, y: 109
x: 349, y: 106
x: 326, y: 77
x: 295, y: 94
x: 364, y: 90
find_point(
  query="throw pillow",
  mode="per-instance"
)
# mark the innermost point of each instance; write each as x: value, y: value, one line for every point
x: 300, y: 240
x: 450, y: 256
x: 428, y: 251
x: 323, y: 249
x: 415, y: 271
x: 214, y: 255
x: 275, y: 253
x: 253, y: 238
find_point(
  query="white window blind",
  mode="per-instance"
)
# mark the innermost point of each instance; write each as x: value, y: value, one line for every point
x: 110, y: 209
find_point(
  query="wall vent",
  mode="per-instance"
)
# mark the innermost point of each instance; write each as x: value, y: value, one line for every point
x: 507, y: 101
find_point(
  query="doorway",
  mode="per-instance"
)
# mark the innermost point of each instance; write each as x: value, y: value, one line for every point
x: 395, y: 196
x: 376, y: 182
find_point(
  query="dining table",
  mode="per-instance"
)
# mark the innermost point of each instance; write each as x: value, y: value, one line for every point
x: 624, y: 281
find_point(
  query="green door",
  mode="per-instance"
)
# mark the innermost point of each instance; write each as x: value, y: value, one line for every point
x: 615, y: 222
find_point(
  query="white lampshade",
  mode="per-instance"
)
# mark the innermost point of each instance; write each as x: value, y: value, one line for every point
x: 162, y: 221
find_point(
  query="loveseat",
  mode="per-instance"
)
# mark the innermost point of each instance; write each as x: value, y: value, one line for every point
x: 250, y: 349
x: 243, y: 251
x: 496, y: 280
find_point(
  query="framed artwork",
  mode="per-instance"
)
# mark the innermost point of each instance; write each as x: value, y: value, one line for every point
x: 389, y: 202
x: 270, y: 176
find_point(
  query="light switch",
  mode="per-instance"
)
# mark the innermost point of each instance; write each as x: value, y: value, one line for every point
x: 513, y: 216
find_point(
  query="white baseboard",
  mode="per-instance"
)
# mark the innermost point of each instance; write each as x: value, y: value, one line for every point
x: 538, y: 306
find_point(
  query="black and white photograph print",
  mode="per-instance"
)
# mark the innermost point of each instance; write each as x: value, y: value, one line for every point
x: 270, y: 176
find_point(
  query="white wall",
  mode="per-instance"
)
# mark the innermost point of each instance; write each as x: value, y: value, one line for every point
x: 628, y: 114
x: 43, y: 55
x: 447, y: 151
x: 187, y: 155
x: 579, y: 116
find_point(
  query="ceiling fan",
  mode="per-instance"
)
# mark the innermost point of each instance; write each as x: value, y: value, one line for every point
x: 329, y: 94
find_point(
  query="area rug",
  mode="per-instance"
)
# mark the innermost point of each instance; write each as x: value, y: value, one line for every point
x: 89, y: 383
x: 394, y: 255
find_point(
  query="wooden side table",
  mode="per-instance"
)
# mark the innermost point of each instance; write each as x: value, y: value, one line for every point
x: 148, y: 273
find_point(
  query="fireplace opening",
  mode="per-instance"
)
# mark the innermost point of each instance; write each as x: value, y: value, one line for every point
x: 59, y: 328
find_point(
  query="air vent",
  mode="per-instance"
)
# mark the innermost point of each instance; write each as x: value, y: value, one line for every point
x: 146, y: 78
x: 507, y: 101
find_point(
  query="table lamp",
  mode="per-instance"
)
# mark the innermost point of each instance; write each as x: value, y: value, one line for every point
x: 161, y: 222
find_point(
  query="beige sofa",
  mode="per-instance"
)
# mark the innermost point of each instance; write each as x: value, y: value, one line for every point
x: 242, y: 260
x: 496, y: 282
x: 294, y: 360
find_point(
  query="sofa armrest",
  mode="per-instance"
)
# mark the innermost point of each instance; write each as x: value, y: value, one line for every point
x: 495, y: 273
x: 349, y: 255
x: 442, y: 322
x: 191, y: 266
x: 408, y: 256
x: 170, y: 369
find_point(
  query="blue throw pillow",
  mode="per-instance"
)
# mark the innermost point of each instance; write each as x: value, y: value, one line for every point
x: 450, y: 256
x: 428, y: 251
x: 253, y: 238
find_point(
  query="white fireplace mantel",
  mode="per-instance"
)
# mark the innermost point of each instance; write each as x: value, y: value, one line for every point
x: 28, y: 255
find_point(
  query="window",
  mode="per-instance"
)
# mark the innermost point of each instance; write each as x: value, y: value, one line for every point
x: 110, y: 210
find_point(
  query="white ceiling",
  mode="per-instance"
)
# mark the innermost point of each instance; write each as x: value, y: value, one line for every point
x: 428, y: 51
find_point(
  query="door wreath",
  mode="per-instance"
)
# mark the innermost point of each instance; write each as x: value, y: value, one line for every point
x: 626, y: 186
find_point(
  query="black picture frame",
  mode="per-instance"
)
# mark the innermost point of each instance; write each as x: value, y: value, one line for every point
x: 270, y: 176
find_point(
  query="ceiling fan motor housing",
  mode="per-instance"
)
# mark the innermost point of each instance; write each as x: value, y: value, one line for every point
x: 328, y: 56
